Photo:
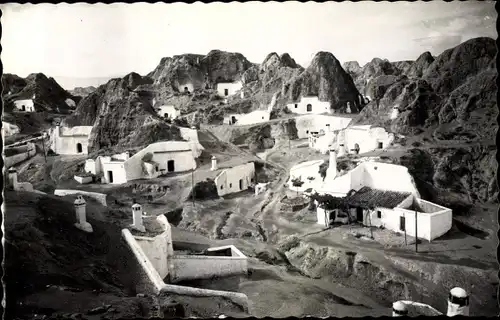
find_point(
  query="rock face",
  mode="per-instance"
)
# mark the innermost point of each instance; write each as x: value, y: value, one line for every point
x: 82, y: 92
x: 121, y: 115
x: 455, y: 102
x: 49, y: 95
x: 326, y: 79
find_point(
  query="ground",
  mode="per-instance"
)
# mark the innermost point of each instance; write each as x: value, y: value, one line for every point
x: 336, y: 271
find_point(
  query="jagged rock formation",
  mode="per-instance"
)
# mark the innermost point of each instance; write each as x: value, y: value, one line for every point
x: 455, y: 101
x: 326, y: 79
x: 82, y: 92
x: 122, y: 115
x: 49, y: 95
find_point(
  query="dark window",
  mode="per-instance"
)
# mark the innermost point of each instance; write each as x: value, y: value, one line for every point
x: 307, y: 131
x: 402, y: 223
x: 296, y: 105
x: 241, y: 184
x: 221, y: 187
x: 171, y: 165
x: 327, y: 124
x: 156, y: 168
x: 379, y: 214
x: 309, y: 107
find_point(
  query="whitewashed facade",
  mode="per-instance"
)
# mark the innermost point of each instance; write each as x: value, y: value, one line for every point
x: 70, y: 141
x: 25, y: 105
x: 309, y: 105
x: 227, y: 89
x: 235, y: 179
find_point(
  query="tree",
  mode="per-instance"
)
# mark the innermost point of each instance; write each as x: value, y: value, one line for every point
x: 297, y: 182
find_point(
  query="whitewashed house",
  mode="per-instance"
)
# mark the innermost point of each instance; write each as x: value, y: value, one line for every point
x: 70, y: 141
x: 380, y: 194
x: 226, y: 89
x: 9, y: 129
x: 235, y: 179
x: 25, y: 105
x: 309, y: 105
x: 185, y: 87
x: 320, y: 123
x: 365, y: 138
x: 156, y: 159
x: 257, y: 116
x: 168, y: 112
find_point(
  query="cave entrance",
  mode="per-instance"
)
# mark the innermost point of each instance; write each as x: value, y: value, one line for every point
x: 402, y: 223
x: 170, y: 166
x: 110, y: 176
x: 79, y: 148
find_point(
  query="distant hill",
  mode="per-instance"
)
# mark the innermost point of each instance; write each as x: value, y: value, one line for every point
x: 82, y: 92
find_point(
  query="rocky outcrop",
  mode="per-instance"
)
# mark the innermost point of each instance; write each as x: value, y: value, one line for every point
x: 417, y: 68
x: 454, y: 66
x: 122, y: 115
x: 49, y: 95
x: 326, y: 79
x: 82, y: 92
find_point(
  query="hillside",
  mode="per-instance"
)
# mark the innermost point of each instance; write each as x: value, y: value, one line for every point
x: 49, y: 95
x: 48, y: 261
x: 448, y: 110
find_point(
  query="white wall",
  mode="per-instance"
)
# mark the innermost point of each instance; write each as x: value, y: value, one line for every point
x: 322, y: 143
x: 305, y: 170
x: 156, y: 251
x: 384, y: 176
x: 318, y: 106
x: 117, y: 169
x: 170, y: 111
x: 188, y: 267
x: 257, y: 116
x: 306, y: 124
x: 323, y: 216
x: 100, y: 197
x: 65, y: 140
x: 441, y: 223
x: 179, y: 151
x: 232, y: 88
x: 9, y: 129
x: 367, y: 138
x: 228, y: 181
x: 191, y: 135
x: 423, y: 223
x: 28, y: 104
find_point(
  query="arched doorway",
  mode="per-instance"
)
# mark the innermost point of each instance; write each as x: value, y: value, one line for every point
x: 23, y: 108
x: 309, y: 108
x: 170, y: 166
x: 79, y: 148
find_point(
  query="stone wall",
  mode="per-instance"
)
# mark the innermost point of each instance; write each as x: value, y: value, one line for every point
x: 100, y: 197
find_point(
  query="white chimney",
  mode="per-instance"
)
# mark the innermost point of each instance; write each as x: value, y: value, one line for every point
x: 399, y: 309
x: 394, y: 113
x: 214, y: 163
x: 13, y: 178
x: 137, y: 218
x: 331, y: 172
x: 348, y: 108
x: 458, y: 303
x: 81, y: 218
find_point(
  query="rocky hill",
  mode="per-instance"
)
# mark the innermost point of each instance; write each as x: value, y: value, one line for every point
x: 82, y: 92
x: 450, y: 108
x: 121, y: 116
x: 49, y: 95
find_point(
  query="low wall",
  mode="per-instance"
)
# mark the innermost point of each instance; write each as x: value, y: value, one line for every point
x: 190, y: 267
x: 83, y: 180
x: 20, y: 157
x: 100, y: 197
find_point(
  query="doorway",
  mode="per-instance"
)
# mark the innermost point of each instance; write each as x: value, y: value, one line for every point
x: 226, y: 92
x: 241, y: 184
x: 79, y: 148
x: 170, y: 166
x: 356, y: 148
x: 380, y: 145
x: 110, y: 176
x: 309, y: 108
x: 402, y: 223
x: 359, y: 214
x: 233, y: 119
x: 23, y: 108
x: 186, y: 89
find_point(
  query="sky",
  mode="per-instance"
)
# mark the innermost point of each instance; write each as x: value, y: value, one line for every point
x: 86, y: 44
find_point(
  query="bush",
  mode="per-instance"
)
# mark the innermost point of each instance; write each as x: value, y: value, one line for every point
x: 416, y: 144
